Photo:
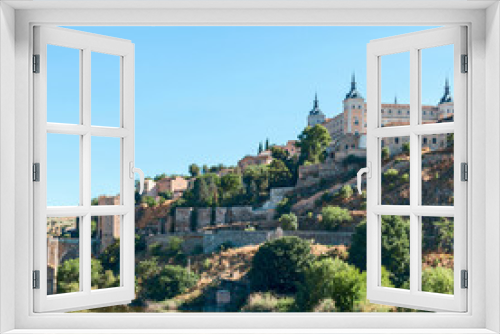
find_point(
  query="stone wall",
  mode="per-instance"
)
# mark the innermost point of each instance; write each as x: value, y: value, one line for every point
x: 183, y: 219
x: 203, y: 218
x: 221, y: 216
x: 312, y: 174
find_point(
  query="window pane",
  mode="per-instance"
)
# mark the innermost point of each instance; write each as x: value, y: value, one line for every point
x: 395, y: 89
x: 63, y: 254
x: 106, y: 252
x: 106, y: 171
x: 63, y: 85
x: 437, y: 254
x: 395, y: 178
x: 437, y: 80
x: 63, y: 170
x: 395, y: 251
x: 105, y: 90
x: 437, y: 169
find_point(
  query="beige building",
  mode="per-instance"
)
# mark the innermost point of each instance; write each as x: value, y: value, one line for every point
x: 264, y: 158
x: 176, y: 185
x: 352, y: 121
x: 108, y: 227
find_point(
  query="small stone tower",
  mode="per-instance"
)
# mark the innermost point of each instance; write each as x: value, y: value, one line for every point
x: 316, y: 116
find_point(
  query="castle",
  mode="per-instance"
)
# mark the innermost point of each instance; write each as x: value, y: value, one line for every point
x: 348, y: 129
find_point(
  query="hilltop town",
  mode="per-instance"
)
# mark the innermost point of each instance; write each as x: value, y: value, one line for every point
x: 303, y: 188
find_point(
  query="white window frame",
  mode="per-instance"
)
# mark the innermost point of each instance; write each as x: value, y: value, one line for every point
x: 86, y: 44
x: 413, y: 44
x: 484, y: 50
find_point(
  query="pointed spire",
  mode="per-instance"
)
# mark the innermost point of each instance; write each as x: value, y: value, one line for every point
x: 353, y: 93
x: 316, y: 102
x: 447, y: 95
x: 395, y: 99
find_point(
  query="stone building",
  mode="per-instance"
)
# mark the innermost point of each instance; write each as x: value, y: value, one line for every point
x: 108, y: 227
x: 263, y: 158
x: 352, y: 121
x: 175, y: 185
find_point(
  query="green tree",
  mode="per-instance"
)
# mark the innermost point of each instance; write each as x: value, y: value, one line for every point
x: 289, y: 222
x: 330, y: 279
x: 386, y: 153
x: 68, y: 276
x: 279, y: 175
x: 167, y: 283
x: 260, y: 148
x: 202, y: 196
x: 395, y: 248
x: 290, y: 162
x: 279, y: 265
x: 166, y: 195
x: 194, y: 170
x: 230, y: 183
x: 438, y: 280
x: 346, y: 192
x: 267, y: 144
x: 110, y: 258
x: 149, y: 200
x: 406, y: 148
x: 333, y: 217
x: 313, y: 142
x: 205, y: 169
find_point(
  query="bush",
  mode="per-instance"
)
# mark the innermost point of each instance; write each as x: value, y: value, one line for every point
x: 405, y: 178
x: 289, y: 222
x: 149, y: 200
x: 334, y: 216
x: 346, y: 192
x: 168, y: 282
x: 166, y: 195
x: 390, y: 175
x: 140, y: 243
x: 386, y: 153
x: 156, y: 249
x: 406, y: 148
x: 267, y: 302
x: 438, y: 280
x: 330, y: 279
x: 280, y: 264
x: 395, y: 248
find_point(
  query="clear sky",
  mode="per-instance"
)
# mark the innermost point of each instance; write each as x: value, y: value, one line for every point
x: 209, y: 95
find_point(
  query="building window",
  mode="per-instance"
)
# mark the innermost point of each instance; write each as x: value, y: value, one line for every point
x: 396, y: 140
x: 390, y: 111
x: 382, y: 143
x: 356, y: 122
x: 425, y: 140
x: 434, y: 140
x: 399, y: 112
x: 353, y: 146
x: 408, y: 112
x: 347, y: 147
x: 424, y: 112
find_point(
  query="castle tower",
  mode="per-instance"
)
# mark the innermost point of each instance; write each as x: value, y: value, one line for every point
x: 446, y: 102
x: 354, y: 110
x: 316, y: 116
x: 108, y: 227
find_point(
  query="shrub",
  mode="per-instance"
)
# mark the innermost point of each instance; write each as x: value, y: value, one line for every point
x: 395, y: 248
x: 406, y: 148
x: 168, y: 282
x: 405, y: 178
x: 140, y: 243
x: 334, y: 216
x: 166, y: 195
x: 156, y: 249
x: 267, y: 302
x: 149, y: 200
x: 438, y: 280
x: 391, y: 175
x: 346, y: 192
x: 386, y: 153
x: 279, y: 265
x: 289, y: 222
x: 330, y: 279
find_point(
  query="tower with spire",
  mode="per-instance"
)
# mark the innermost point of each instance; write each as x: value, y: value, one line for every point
x: 354, y: 110
x: 445, y: 105
x: 316, y: 116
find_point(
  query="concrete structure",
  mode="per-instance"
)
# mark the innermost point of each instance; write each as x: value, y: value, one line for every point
x: 183, y: 219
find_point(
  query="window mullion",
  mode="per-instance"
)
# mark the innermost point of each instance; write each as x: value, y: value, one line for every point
x: 414, y: 169
x: 85, y: 180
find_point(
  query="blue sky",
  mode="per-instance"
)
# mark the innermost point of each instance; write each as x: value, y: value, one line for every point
x: 208, y: 95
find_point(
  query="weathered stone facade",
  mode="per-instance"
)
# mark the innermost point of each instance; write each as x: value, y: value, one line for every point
x: 203, y: 218
x: 221, y: 216
x: 183, y: 219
